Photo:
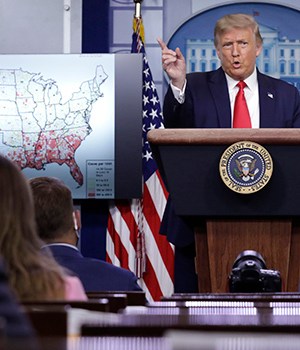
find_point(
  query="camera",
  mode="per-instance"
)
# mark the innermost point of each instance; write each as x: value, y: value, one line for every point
x: 249, y: 274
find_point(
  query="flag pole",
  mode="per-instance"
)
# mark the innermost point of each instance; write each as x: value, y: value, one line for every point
x: 140, y: 239
x: 144, y: 249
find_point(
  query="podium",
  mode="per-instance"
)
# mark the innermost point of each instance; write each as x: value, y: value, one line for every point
x: 227, y: 222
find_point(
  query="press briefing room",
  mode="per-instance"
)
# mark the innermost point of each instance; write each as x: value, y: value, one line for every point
x: 150, y: 197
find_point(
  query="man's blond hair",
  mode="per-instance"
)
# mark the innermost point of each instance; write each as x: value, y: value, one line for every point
x: 238, y: 20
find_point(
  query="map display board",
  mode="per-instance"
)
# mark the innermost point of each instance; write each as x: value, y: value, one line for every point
x: 57, y: 118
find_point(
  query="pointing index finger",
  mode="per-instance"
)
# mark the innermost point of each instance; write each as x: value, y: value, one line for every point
x: 162, y: 44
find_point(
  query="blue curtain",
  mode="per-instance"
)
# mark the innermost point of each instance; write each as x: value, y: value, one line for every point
x: 95, y: 39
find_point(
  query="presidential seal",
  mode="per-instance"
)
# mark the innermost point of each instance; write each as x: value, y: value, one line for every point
x: 246, y: 167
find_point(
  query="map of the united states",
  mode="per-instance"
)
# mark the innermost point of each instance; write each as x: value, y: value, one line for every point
x: 36, y: 127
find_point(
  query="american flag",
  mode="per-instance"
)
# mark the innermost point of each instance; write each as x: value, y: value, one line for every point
x: 133, y: 239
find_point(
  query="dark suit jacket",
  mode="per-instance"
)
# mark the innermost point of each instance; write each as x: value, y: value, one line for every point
x: 95, y: 274
x: 207, y: 105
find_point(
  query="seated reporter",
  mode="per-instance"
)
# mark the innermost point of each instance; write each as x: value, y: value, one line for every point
x: 32, y: 274
x: 16, y: 324
x: 58, y: 226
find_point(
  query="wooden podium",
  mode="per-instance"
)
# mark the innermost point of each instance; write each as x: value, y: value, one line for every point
x: 226, y: 222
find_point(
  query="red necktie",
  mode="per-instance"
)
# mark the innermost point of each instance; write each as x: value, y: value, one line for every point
x: 241, y: 116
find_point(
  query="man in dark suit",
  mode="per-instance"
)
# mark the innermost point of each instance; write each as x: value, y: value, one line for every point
x: 206, y: 100
x: 58, y: 226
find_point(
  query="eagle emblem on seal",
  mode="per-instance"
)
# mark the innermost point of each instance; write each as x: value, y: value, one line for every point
x: 246, y: 169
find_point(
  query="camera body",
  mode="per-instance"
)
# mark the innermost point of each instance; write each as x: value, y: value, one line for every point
x: 250, y: 275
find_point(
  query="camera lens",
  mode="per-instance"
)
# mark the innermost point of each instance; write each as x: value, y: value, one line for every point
x: 250, y: 275
x: 250, y: 255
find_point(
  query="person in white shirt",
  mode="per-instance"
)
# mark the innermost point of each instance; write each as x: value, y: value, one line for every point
x: 206, y: 100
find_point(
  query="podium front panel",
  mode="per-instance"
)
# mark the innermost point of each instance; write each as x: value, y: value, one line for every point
x: 191, y: 173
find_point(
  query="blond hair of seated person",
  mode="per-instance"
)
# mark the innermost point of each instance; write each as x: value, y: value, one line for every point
x: 32, y: 274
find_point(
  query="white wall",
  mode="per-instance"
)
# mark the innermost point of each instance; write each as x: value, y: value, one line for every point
x: 40, y: 26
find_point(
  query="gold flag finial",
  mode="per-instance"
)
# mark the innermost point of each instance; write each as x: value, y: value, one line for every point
x: 137, y: 13
x: 137, y: 24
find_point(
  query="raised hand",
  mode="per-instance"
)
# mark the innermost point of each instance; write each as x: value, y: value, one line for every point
x: 173, y: 63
